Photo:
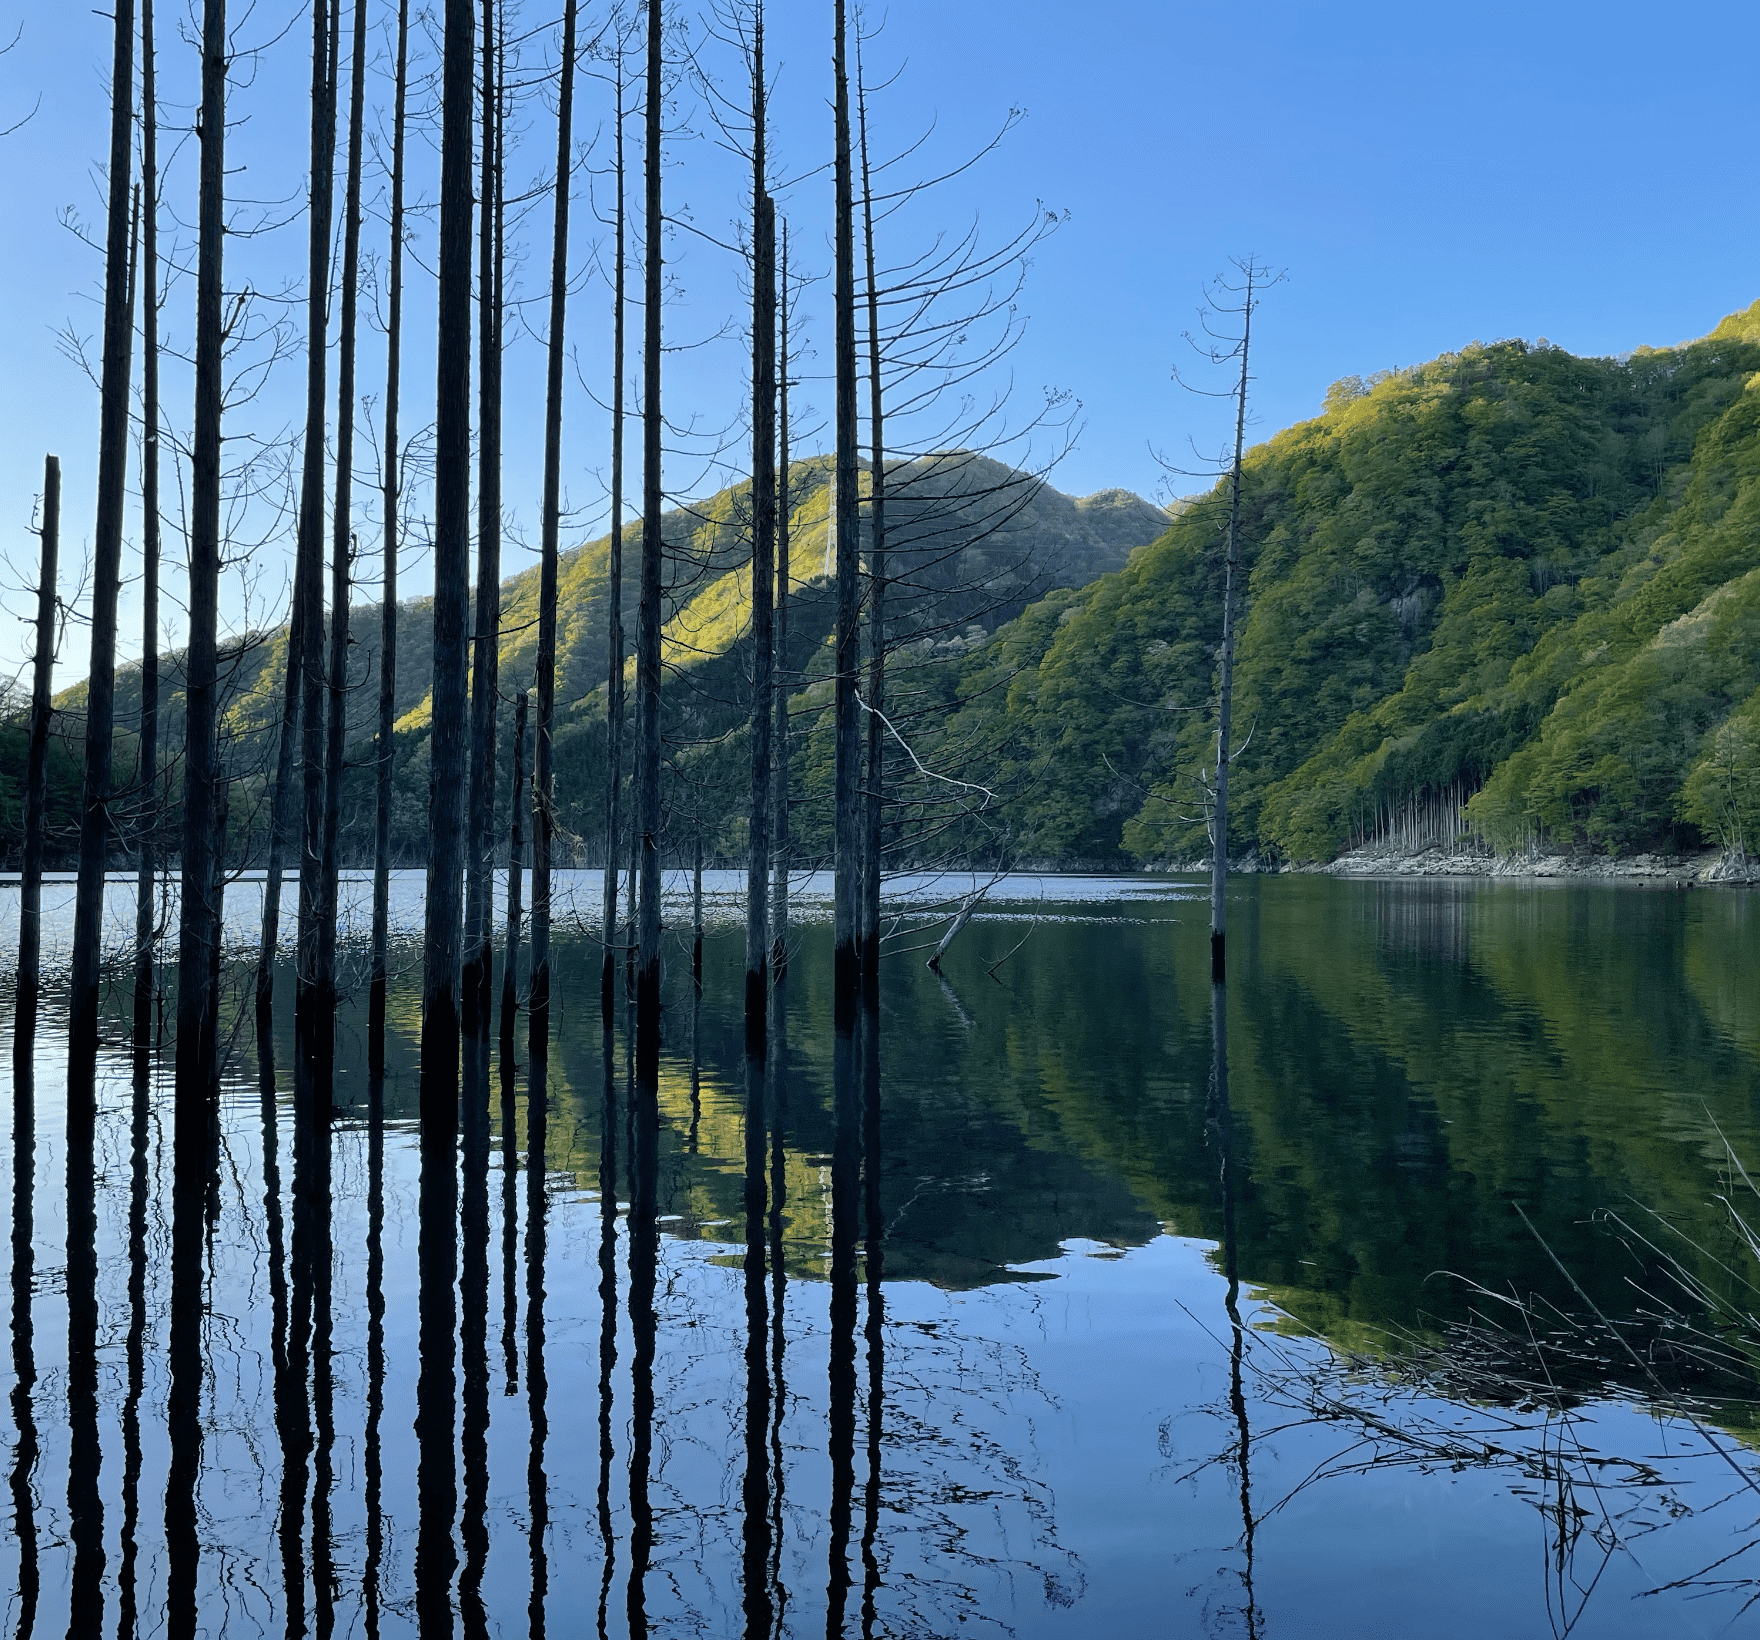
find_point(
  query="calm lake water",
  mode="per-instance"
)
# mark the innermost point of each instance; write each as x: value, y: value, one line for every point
x: 1423, y: 1318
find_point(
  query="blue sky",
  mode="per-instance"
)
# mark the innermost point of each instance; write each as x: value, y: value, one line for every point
x: 1427, y: 175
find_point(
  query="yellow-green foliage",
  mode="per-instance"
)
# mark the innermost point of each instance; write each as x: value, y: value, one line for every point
x: 1494, y: 571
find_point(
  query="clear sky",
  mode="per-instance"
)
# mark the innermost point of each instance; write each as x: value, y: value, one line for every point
x: 1427, y: 175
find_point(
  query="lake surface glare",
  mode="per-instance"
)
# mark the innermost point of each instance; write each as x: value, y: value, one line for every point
x: 1421, y: 1315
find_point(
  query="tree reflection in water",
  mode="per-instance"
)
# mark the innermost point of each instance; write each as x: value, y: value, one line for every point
x: 828, y: 1328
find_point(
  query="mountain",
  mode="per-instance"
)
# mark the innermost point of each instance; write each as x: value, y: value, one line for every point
x: 1510, y: 590
x: 972, y: 543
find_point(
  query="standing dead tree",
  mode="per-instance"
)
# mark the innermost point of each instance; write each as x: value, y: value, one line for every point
x: 308, y: 590
x: 876, y: 703
x: 385, y: 750
x: 36, y: 779
x: 198, y: 930
x: 449, y: 781
x: 779, y: 674
x: 847, y: 773
x: 479, y: 922
x: 1241, y: 300
x: 145, y: 918
x: 614, y: 694
x: 543, y: 750
x: 341, y: 543
x: 516, y: 802
x: 95, y: 799
x: 653, y: 553
x: 763, y: 562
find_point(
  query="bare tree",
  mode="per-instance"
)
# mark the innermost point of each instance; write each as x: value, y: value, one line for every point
x: 847, y: 800
x: 648, y: 613
x: 95, y: 799
x: 543, y: 764
x: 516, y: 803
x: 203, y: 783
x: 1220, y: 350
x: 308, y: 588
x: 341, y: 544
x: 876, y: 714
x: 779, y: 674
x: 449, y: 747
x: 145, y: 917
x: 36, y: 779
x: 479, y: 926
x: 391, y: 481
x: 614, y: 695
x: 763, y: 562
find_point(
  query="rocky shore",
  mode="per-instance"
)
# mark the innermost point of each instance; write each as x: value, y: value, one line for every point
x: 1712, y: 866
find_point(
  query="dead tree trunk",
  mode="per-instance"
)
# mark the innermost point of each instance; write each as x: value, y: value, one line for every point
x: 614, y: 702
x: 95, y: 819
x: 452, y: 568
x: 341, y: 545
x: 847, y: 813
x: 145, y: 915
x: 648, y: 615
x: 543, y: 765
x: 479, y: 920
x: 197, y: 929
x: 390, y: 477
x: 516, y: 843
x: 763, y: 561
x: 309, y: 569
x: 876, y: 586
x: 36, y: 778
x: 780, y: 675
x: 697, y: 915
x: 1225, y: 662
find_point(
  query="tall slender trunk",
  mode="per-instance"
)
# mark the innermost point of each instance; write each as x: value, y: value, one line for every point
x: 479, y: 922
x: 848, y: 751
x: 36, y: 779
x: 516, y: 843
x: 1225, y: 668
x: 341, y: 546
x: 326, y: 24
x: 543, y: 767
x: 780, y: 675
x: 876, y: 587
x: 648, y: 622
x: 763, y: 561
x: 614, y: 704
x: 452, y: 563
x: 281, y: 811
x: 94, y: 828
x: 145, y: 919
x: 197, y: 933
x: 385, y: 748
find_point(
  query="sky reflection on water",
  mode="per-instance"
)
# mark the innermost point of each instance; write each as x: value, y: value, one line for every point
x: 708, y: 1420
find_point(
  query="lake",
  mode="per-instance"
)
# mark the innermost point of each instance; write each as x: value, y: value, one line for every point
x: 1425, y: 1307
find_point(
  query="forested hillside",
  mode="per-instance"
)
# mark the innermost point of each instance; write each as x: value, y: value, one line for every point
x: 973, y: 543
x: 1510, y: 581
x: 1511, y: 592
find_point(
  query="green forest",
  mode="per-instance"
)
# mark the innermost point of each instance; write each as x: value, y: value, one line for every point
x: 1511, y: 590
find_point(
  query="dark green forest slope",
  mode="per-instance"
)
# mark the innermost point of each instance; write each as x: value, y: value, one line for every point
x: 1509, y: 579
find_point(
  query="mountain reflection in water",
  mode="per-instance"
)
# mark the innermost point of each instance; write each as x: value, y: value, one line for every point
x: 1080, y: 1298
